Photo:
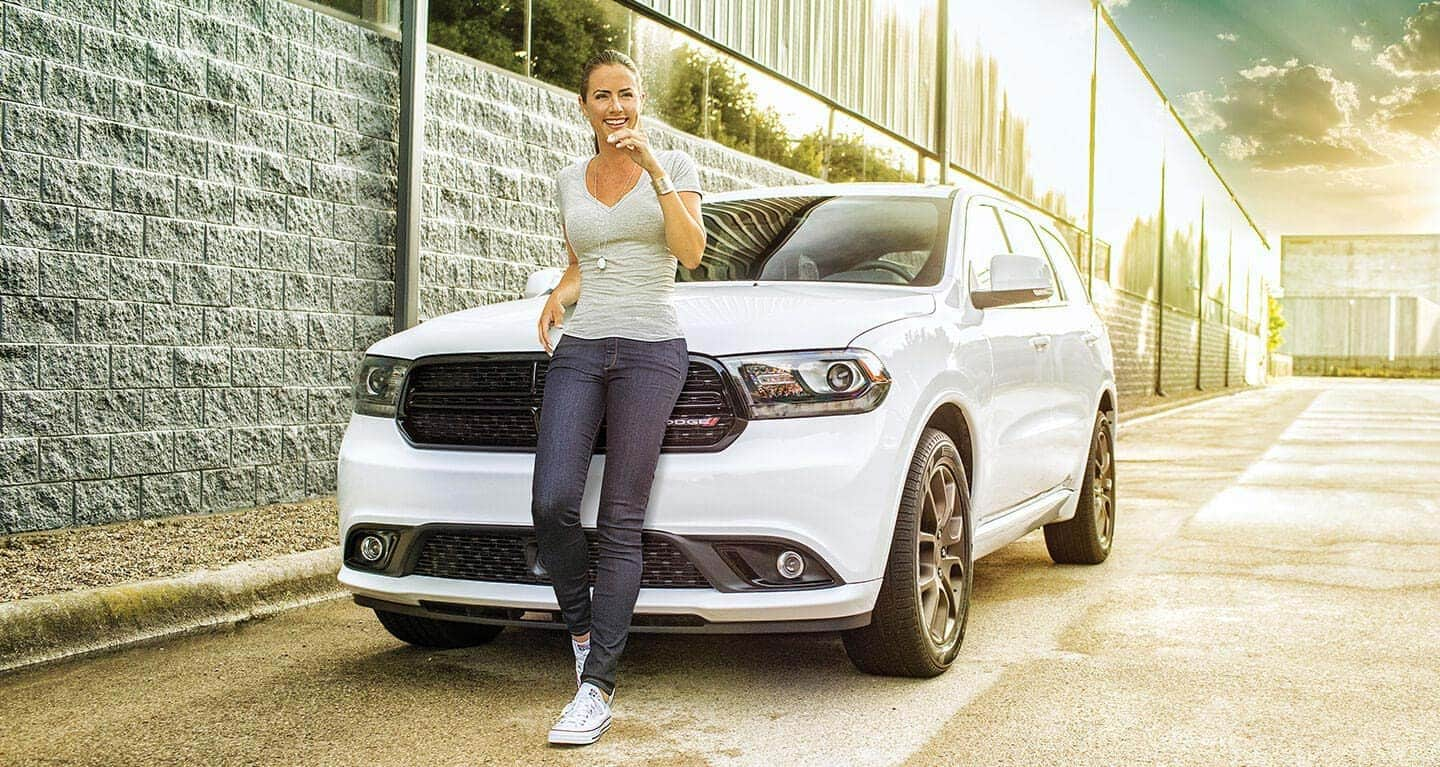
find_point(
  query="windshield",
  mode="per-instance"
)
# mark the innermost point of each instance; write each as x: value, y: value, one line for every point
x: 884, y: 240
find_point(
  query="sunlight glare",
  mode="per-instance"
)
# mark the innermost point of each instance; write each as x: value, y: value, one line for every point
x: 906, y: 12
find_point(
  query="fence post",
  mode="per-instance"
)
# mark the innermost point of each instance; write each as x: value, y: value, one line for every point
x: 942, y: 96
x: 1160, y: 293
x: 409, y: 186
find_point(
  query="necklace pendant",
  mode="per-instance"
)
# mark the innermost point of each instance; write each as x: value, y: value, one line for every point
x: 600, y: 264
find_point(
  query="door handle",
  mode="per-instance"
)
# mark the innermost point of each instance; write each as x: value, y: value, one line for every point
x: 1091, y: 338
x: 1041, y: 343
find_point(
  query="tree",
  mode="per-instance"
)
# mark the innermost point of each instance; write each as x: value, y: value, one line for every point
x: 564, y: 34
x: 851, y: 159
x: 1277, y: 324
x: 734, y: 118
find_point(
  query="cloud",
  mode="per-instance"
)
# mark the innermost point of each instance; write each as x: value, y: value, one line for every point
x: 1418, y: 52
x: 1197, y: 109
x: 1362, y: 43
x: 1283, y: 117
x: 1412, y: 110
x: 1227, y: 37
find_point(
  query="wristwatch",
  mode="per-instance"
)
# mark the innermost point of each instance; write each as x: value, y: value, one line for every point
x: 663, y: 185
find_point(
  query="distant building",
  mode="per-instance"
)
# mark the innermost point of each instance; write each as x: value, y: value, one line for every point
x: 1361, y: 302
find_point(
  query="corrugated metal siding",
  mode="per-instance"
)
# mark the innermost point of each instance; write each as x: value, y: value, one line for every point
x: 767, y: 32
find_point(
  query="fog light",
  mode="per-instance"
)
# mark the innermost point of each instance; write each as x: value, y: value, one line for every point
x: 790, y: 564
x: 840, y: 377
x: 372, y: 548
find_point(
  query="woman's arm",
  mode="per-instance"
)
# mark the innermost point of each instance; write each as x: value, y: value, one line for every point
x: 683, y: 233
x: 567, y: 291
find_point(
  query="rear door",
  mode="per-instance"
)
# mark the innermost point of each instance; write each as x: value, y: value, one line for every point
x: 1079, y: 348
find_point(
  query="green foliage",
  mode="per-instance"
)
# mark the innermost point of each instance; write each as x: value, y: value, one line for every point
x: 564, y: 34
x: 734, y: 118
x: 1277, y: 324
x: 737, y: 121
x: 851, y: 159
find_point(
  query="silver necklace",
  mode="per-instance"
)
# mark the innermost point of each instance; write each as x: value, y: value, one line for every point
x: 600, y: 262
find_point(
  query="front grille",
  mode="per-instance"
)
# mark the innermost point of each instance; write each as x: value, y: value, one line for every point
x: 492, y: 402
x: 501, y: 557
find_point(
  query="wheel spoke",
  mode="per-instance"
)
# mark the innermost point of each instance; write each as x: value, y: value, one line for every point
x: 940, y: 617
x: 933, y: 499
x: 948, y: 566
x: 928, y: 601
x: 929, y: 581
x: 951, y: 492
x: 955, y: 530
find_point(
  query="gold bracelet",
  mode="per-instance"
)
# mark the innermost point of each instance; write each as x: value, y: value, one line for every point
x: 662, y: 185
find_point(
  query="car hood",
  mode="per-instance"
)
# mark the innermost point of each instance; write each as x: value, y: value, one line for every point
x: 717, y: 318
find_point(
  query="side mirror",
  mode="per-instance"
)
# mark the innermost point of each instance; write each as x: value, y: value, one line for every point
x: 1015, y: 278
x: 542, y: 282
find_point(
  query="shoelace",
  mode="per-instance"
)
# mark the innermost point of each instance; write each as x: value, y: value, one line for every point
x: 582, y: 708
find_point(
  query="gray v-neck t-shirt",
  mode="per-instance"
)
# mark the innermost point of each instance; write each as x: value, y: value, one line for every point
x: 631, y: 296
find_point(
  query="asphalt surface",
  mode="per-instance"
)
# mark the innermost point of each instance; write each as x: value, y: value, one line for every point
x: 1272, y: 599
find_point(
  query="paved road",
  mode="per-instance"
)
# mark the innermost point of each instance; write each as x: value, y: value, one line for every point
x: 1272, y: 599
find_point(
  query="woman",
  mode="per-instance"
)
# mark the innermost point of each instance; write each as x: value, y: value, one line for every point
x: 628, y: 214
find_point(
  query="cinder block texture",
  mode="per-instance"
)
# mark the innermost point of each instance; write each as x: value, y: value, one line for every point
x: 181, y: 186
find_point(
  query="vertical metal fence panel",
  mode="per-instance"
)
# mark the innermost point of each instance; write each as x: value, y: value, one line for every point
x: 832, y: 47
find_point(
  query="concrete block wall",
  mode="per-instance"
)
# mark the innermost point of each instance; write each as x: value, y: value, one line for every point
x: 1213, y: 352
x: 196, y: 218
x: 1235, y: 347
x: 1178, y: 348
x: 1132, y: 322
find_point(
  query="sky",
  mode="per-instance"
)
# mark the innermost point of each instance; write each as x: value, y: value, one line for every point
x: 1323, y: 116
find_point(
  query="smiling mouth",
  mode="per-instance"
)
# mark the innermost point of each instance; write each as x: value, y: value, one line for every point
x: 616, y: 122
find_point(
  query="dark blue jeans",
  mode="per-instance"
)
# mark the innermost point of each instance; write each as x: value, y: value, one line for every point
x: 633, y: 386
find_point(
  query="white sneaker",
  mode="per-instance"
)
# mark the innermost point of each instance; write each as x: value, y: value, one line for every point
x: 584, y: 719
x: 581, y: 653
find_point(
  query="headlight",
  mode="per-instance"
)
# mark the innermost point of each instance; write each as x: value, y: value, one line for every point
x: 797, y: 384
x: 377, y: 385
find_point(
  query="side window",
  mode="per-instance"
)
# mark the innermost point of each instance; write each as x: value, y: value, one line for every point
x: 984, y: 239
x: 1060, y: 255
x: 1023, y: 237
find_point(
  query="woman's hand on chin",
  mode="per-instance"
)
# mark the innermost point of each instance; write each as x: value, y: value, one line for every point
x: 636, y: 145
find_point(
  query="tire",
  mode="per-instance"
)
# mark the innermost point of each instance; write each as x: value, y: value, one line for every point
x: 903, y: 637
x: 438, y: 634
x: 1086, y: 538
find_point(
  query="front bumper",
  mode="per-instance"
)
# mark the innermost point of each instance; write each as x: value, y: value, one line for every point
x: 830, y: 484
x: 658, y: 610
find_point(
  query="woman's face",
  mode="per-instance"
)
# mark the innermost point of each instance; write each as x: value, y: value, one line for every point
x: 613, y: 101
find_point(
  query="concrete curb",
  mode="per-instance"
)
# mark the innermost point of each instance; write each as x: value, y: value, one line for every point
x: 52, y: 627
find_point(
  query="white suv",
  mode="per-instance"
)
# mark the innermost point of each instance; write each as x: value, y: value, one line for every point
x: 887, y: 382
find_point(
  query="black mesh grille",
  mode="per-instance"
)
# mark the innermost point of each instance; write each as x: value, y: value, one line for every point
x: 483, y: 403
x: 501, y: 556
